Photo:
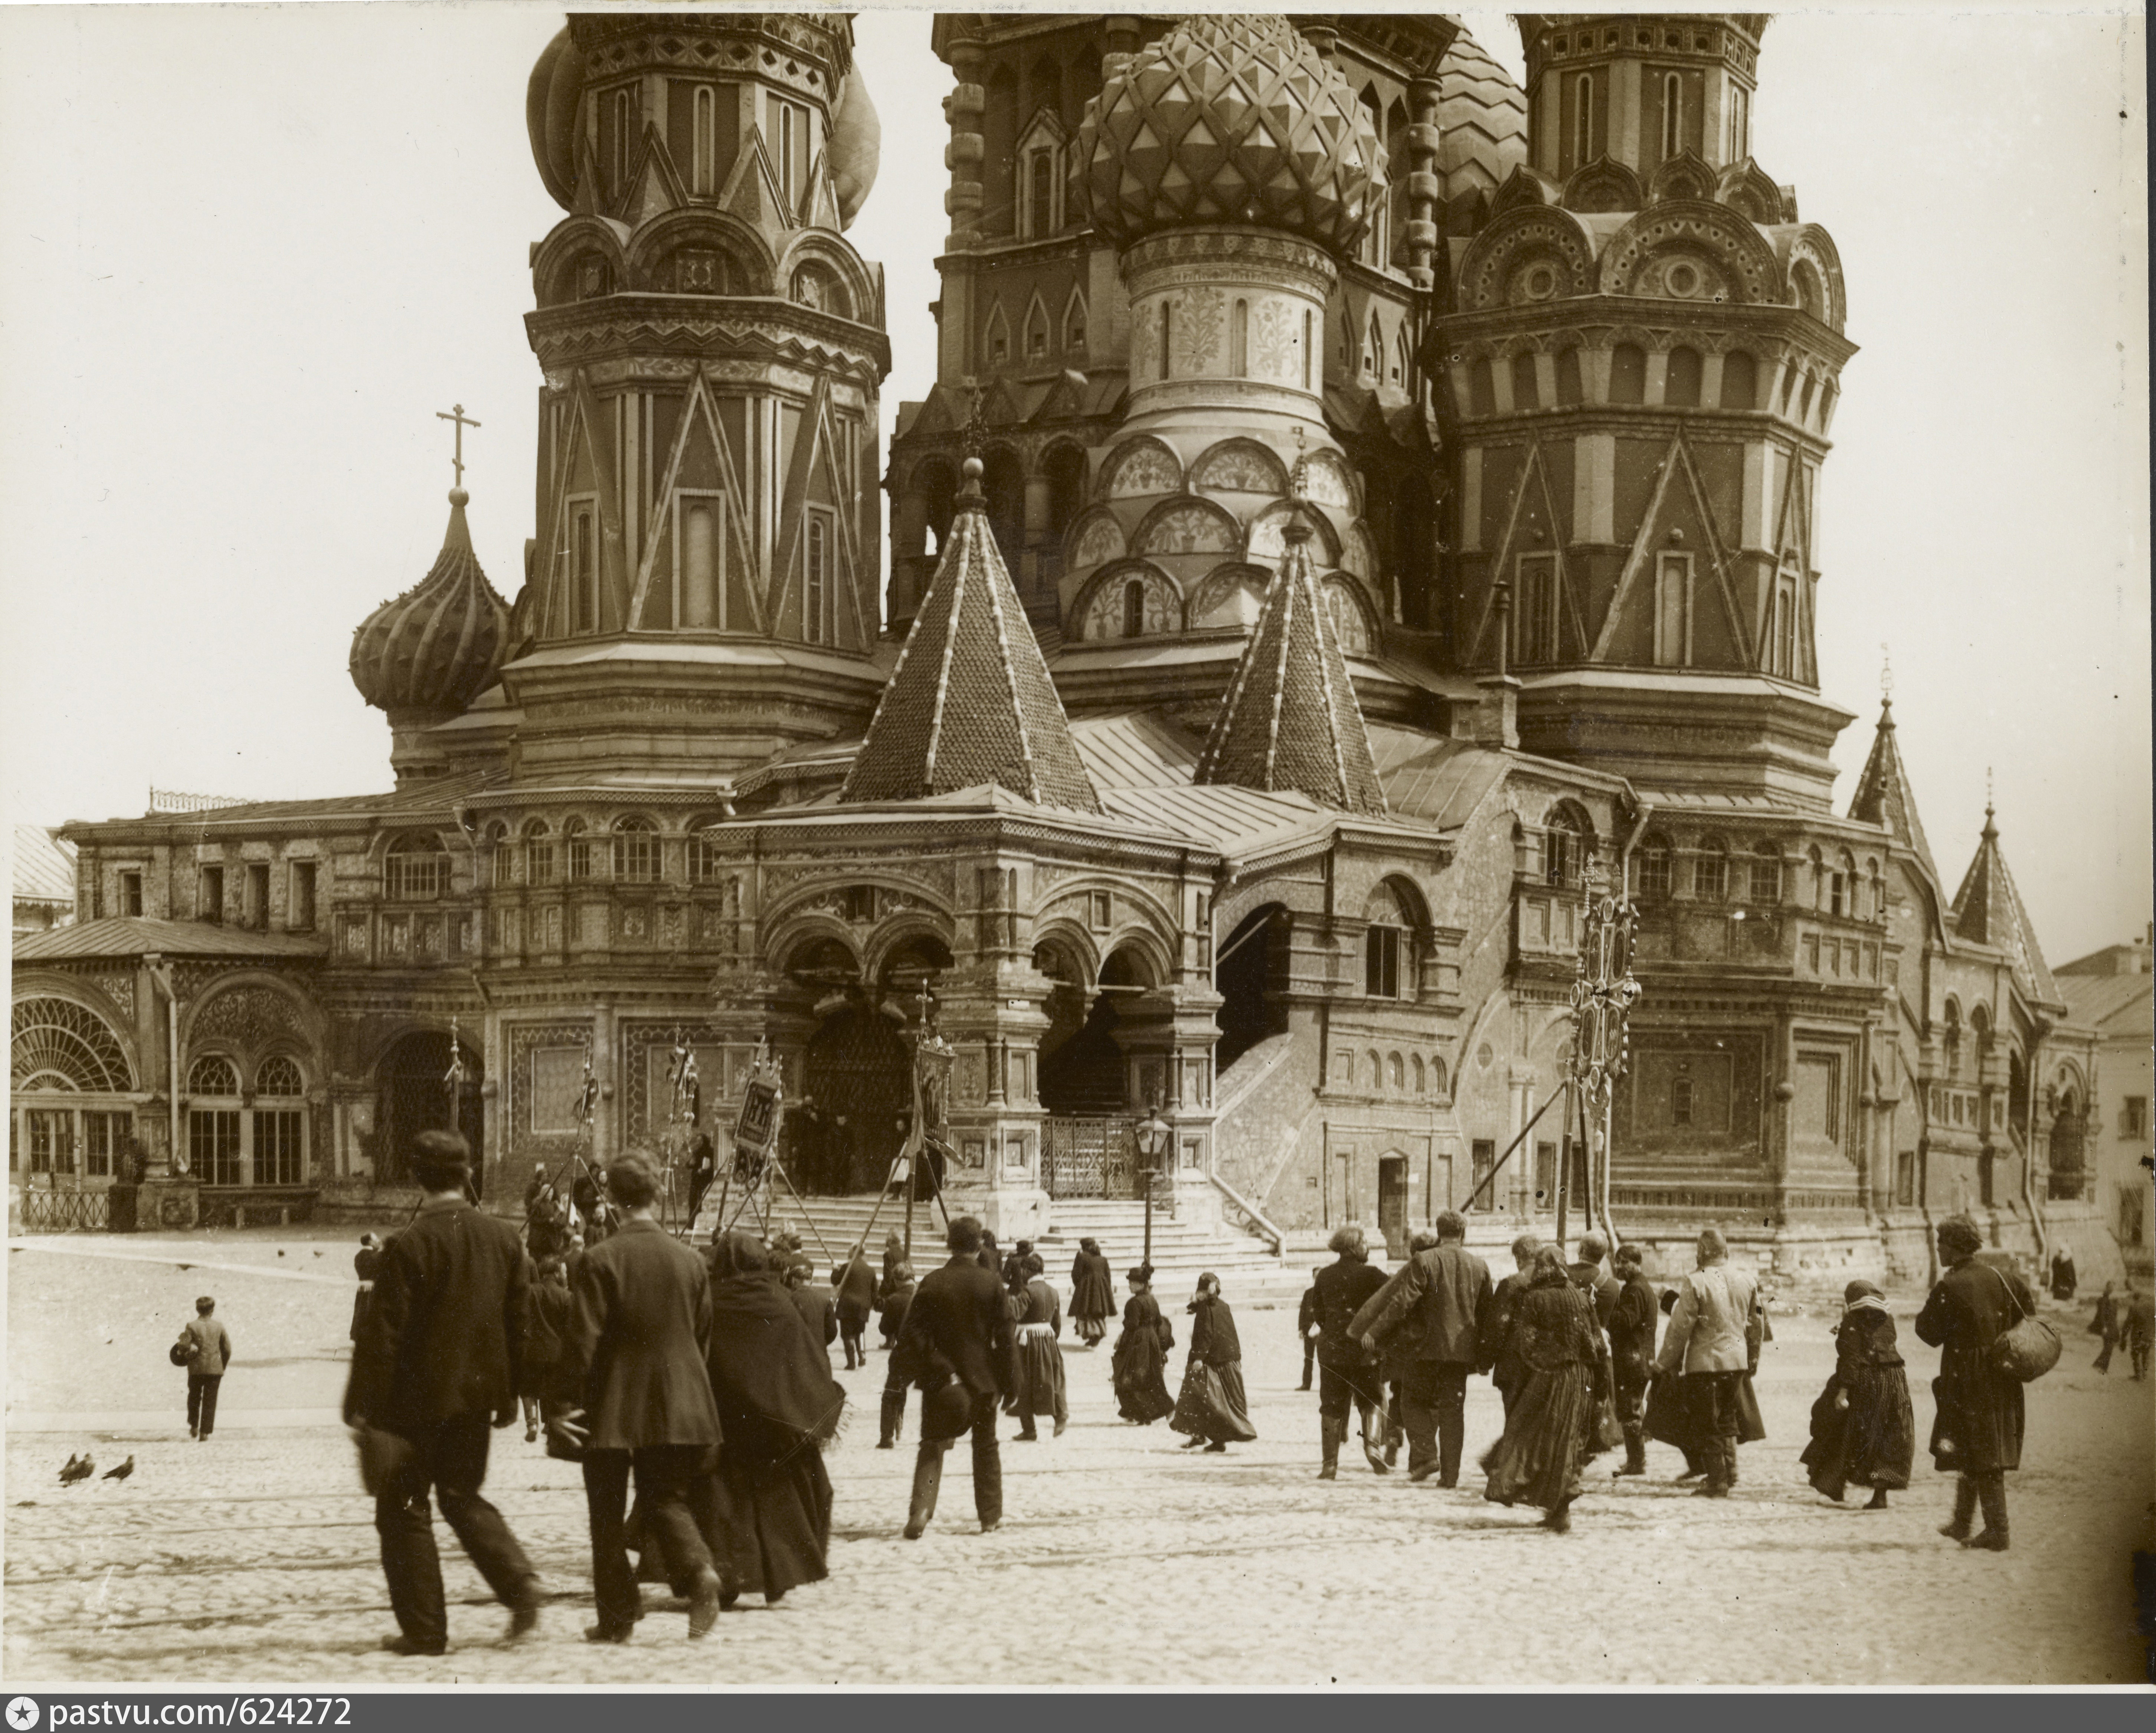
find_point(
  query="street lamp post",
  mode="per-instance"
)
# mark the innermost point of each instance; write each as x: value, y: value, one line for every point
x: 1155, y: 1136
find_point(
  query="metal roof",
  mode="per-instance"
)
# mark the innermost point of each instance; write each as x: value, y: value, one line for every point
x: 1432, y: 777
x: 2094, y: 1000
x: 1140, y: 749
x: 44, y: 866
x: 136, y: 936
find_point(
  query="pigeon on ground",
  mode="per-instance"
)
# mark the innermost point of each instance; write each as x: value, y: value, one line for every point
x: 77, y: 1469
x: 280, y: 1251
x: 72, y: 1460
x: 318, y: 1251
x: 122, y: 1471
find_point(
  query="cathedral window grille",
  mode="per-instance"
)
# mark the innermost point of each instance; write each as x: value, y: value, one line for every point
x: 704, y: 149
x: 212, y: 1074
x: 1381, y: 973
x: 1672, y: 116
x: 1764, y: 888
x: 1651, y: 869
x: 816, y: 578
x: 279, y: 1153
x: 635, y: 851
x: 1710, y: 872
x: 1239, y: 341
x: 279, y: 1075
x: 1536, y: 624
x: 131, y: 893
x: 211, y: 904
x: 1673, y: 597
x: 104, y: 1143
x: 57, y: 1045
x: 582, y: 862
x: 538, y: 855
x: 415, y: 870
x: 213, y: 1145
x: 502, y: 853
x: 300, y: 898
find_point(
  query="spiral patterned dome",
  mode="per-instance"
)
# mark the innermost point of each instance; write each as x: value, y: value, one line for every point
x: 1231, y: 119
x: 439, y: 645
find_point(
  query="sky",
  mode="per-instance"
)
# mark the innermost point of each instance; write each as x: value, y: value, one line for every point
x: 252, y: 252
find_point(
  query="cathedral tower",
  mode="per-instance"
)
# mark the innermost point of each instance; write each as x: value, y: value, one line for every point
x: 702, y: 589
x: 1641, y: 360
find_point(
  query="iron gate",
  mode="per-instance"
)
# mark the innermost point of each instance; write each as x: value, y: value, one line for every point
x: 66, y: 1211
x: 1090, y: 1158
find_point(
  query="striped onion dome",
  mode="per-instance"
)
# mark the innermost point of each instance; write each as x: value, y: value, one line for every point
x: 1229, y: 119
x: 440, y: 645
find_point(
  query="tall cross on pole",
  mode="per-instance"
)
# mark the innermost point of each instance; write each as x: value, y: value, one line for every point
x: 455, y: 412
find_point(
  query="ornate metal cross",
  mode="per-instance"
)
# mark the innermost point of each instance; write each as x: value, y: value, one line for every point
x: 1605, y: 992
x: 462, y: 421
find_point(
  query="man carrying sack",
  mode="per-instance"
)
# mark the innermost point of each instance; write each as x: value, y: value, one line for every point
x: 435, y: 1365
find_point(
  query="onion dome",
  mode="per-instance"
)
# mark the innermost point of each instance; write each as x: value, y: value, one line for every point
x: 1233, y: 119
x: 1481, y: 121
x: 440, y: 645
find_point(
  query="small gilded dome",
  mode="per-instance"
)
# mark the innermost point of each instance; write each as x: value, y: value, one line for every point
x: 1232, y: 118
x: 439, y: 645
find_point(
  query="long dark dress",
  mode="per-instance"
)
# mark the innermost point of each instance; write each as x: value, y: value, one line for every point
x: 1092, y: 1296
x: 1039, y: 1387
x: 765, y: 1514
x: 1141, y: 1364
x: 1872, y: 1440
x: 1977, y: 1428
x: 1565, y: 1370
x: 1213, y: 1346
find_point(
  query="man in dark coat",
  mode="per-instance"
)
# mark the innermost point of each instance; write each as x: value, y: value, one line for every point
x: 1496, y: 1353
x: 898, y: 1295
x: 1430, y: 1316
x: 1347, y: 1371
x: 810, y: 1297
x: 1631, y: 1324
x: 1977, y: 1435
x: 642, y: 1323
x: 703, y: 1169
x: 1305, y: 1326
x: 1588, y: 1276
x: 956, y: 1346
x: 436, y: 1363
x: 855, y: 1283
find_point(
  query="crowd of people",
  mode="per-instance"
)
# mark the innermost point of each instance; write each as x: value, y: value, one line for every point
x: 696, y: 1391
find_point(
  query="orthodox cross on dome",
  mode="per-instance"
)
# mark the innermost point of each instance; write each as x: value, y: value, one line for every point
x: 455, y: 412
x: 1885, y: 675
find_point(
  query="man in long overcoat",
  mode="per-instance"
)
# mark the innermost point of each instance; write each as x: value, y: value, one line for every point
x: 956, y: 1345
x: 1707, y: 1342
x: 1429, y: 1316
x: 435, y: 1365
x: 642, y: 1323
x: 1347, y: 1371
x: 1977, y: 1433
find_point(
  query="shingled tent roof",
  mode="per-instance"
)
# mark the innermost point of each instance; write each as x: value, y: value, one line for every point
x: 970, y: 701
x: 1987, y: 910
x: 1291, y: 721
x: 1883, y: 796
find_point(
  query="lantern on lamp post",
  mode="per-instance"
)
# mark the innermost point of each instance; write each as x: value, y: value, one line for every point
x: 1155, y: 1137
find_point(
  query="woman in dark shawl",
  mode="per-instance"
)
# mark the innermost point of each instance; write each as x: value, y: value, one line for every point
x: 1214, y: 1422
x: 1550, y: 1431
x: 1977, y: 1435
x: 1142, y: 1395
x: 765, y: 1514
x: 1863, y: 1430
x: 1092, y: 1293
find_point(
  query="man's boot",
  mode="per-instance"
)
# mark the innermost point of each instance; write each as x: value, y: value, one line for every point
x: 927, y: 1478
x: 1373, y: 1451
x: 1991, y: 1493
x: 1720, y: 1454
x: 894, y: 1416
x: 1965, y: 1509
x: 1335, y: 1432
x: 1635, y: 1450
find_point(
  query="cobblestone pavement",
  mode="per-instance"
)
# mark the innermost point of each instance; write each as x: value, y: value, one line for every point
x: 1122, y: 1561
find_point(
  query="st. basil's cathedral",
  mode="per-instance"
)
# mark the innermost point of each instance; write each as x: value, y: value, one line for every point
x: 1361, y: 504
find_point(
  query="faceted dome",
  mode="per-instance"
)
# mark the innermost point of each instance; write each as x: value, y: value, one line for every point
x: 1230, y: 118
x: 439, y: 645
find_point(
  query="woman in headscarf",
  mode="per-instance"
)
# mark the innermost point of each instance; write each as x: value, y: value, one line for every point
x: 1142, y: 1395
x: 2064, y: 1279
x: 1092, y: 1293
x: 1565, y: 1368
x: 1977, y: 1435
x: 1213, y: 1411
x: 765, y: 1514
x: 1863, y: 1430
x: 1038, y: 1324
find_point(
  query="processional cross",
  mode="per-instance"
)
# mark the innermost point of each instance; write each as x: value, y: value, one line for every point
x: 455, y: 412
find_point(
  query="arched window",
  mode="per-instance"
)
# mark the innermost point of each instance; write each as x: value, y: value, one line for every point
x: 1672, y: 116
x: 1396, y: 1072
x: 1628, y: 374
x: 1739, y: 381
x: 1950, y: 1036
x: 1374, y: 1071
x: 1041, y: 187
x: 1373, y: 351
x: 635, y: 851
x: 1837, y: 889
x: 1740, y: 125
x: 1582, y: 120
x: 1681, y: 388
x: 1568, y: 391
x: 1437, y: 1075
x: 1421, y: 1076
x: 1526, y: 388
x: 538, y: 853
x: 1166, y: 339
x: 1564, y: 849
x: 815, y: 580
x: 212, y: 1074
x: 1877, y: 905
x: 1650, y: 870
x: 416, y: 869
x: 1134, y: 609
x: 57, y: 1045
x: 1710, y: 871
x: 703, y: 858
x: 1845, y: 871
x: 1764, y: 889
x: 1309, y: 345
x: 704, y: 178
x: 502, y: 852
x: 582, y: 864
x: 1239, y: 341
x: 1481, y: 391
x: 277, y: 1075
x: 1388, y: 949
x: 1817, y: 861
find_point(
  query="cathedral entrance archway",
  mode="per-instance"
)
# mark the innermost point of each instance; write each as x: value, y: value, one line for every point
x: 859, y: 1094
x: 415, y: 1093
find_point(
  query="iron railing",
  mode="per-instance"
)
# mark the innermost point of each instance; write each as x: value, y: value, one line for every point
x: 1090, y: 1158
x: 66, y: 1211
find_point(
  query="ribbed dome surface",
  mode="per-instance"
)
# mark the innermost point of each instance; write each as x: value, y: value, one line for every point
x: 439, y: 645
x: 1481, y: 121
x: 1230, y: 118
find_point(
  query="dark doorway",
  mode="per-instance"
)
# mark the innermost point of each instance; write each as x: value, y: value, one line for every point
x: 415, y: 1094
x: 1083, y: 1076
x: 859, y: 1099
x: 1393, y: 1203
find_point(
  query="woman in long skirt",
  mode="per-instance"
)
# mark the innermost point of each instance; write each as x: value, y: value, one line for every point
x: 1213, y: 1408
x: 1092, y: 1293
x: 1039, y: 1326
x: 765, y: 1514
x: 1864, y: 1432
x: 1550, y: 1431
x: 1142, y: 1395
